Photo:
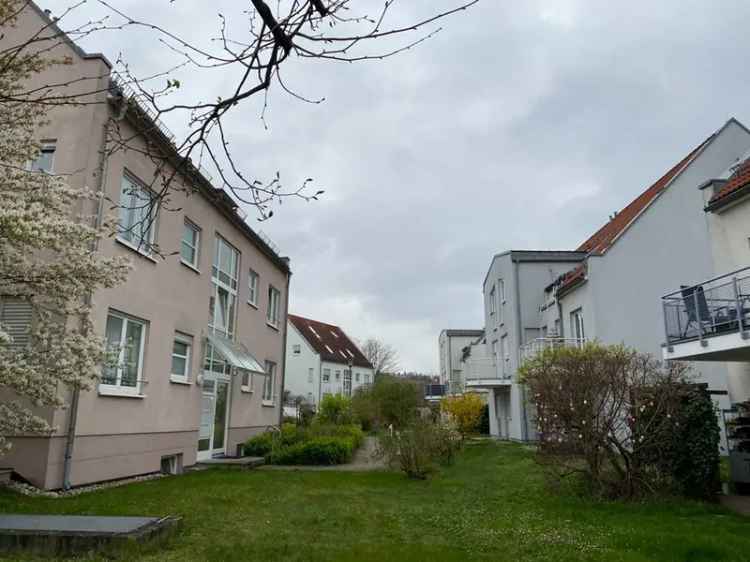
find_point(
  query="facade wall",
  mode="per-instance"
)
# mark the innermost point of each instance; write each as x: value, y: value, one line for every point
x: 730, y: 238
x: 299, y: 365
x: 451, y: 358
x: 116, y: 435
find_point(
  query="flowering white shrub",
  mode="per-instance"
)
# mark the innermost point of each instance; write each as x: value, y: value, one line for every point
x: 48, y: 261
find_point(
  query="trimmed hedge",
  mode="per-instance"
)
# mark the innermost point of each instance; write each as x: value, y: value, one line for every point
x: 316, y: 451
x: 319, y: 444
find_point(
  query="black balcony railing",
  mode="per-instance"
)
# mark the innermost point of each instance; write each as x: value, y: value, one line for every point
x: 434, y: 390
x: 717, y: 307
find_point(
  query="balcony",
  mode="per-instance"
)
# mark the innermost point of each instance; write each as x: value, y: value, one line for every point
x: 482, y: 372
x: 534, y: 347
x: 710, y: 321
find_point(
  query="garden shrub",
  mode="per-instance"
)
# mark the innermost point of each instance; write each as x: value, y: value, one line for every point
x: 315, y: 451
x: 420, y: 448
x: 618, y: 418
x: 318, y: 444
x: 465, y: 410
x: 336, y: 409
x: 365, y: 408
x: 395, y: 400
x: 259, y: 445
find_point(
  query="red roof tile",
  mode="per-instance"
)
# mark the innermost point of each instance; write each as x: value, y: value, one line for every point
x: 737, y: 181
x: 330, y: 342
x: 601, y: 241
x: 572, y: 278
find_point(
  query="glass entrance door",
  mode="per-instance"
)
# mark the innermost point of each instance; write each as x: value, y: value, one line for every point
x: 213, y: 422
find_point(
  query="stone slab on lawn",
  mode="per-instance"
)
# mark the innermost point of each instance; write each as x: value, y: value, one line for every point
x: 69, y: 535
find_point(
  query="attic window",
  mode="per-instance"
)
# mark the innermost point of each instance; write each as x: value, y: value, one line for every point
x: 350, y: 353
x: 343, y: 354
x: 334, y: 334
x: 329, y: 350
x: 314, y: 332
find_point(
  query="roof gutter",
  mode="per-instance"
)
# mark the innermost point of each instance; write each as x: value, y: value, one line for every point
x: 727, y: 200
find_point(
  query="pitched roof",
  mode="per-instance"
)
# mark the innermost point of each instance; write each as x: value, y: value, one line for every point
x: 736, y: 184
x: 330, y: 342
x: 572, y: 278
x: 603, y: 238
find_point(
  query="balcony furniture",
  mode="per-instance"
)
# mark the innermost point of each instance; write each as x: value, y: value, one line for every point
x: 696, y: 306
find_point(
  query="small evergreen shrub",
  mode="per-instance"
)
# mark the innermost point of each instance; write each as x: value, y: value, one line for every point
x: 315, y: 451
x: 259, y: 446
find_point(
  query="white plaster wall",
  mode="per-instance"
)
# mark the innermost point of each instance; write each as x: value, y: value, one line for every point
x: 297, y: 366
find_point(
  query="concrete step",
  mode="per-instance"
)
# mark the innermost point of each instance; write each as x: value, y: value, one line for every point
x: 241, y: 462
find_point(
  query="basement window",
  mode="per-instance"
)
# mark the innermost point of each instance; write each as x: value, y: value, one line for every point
x: 171, y: 464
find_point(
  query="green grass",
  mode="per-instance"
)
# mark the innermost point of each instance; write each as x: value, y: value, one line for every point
x: 491, y: 505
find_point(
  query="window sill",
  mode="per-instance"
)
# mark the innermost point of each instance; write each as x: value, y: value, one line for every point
x: 254, y: 305
x: 246, y: 389
x: 119, y: 393
x: 191, y: 267
x: 267, y: 404
x: 177, y: 380
x: 135, y: 249
x: 273, y: 326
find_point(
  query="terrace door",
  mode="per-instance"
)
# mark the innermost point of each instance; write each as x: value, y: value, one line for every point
x: 213, y: 423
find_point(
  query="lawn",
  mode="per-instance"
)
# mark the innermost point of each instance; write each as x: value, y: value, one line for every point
x: 491, y: 505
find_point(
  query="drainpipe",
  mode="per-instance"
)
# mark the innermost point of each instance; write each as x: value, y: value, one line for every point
x: 283, y: 349
x: 70, y: 438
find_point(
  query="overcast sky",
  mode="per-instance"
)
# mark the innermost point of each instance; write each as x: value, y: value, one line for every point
x: 522, y: 125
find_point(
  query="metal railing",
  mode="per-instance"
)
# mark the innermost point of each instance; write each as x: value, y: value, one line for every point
x: 716, y: 307
x: 435, y: 390
x: 539, y: 345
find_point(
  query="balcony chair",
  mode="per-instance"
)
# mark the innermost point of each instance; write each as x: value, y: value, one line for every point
x: 700, y: 315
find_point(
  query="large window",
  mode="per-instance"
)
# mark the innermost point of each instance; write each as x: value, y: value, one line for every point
x: 125, y: 342
x: 274, y: 299
x: 223, y: 301
x: 505, y: 354
x: 326, y: 375
x: 501, y: 299
x: 347, y: 383
x: 269, y: 383
x: 190, y: 247
x: 252, y: 288
x: 181, y: 352
x: 493, y: 301
x: 45, y: 159
x: 138, y: 211
x: 576, y: 325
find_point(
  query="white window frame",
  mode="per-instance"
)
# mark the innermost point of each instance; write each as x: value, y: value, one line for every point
x: 577, y: 326
x: 247, y: 382
x: 296, y: 349
x: 45, y: 147
x: 195, y: 246
x: 501, y: 298
x: 505, y: 354
x: 143, y: 246
x: 253, y: 284
x: 269, y: 383
x: 217, y: 284
x: 117, y: 389
x: 310, y: 374
x: 326, y: 375
x: 185, y: 377
x: 274, y: 307
x: 493, y: 301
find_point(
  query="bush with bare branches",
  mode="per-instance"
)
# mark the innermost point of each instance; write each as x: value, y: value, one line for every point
x: 613, y: 416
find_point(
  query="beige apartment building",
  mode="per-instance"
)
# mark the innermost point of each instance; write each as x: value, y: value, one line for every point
x: 200, y: 322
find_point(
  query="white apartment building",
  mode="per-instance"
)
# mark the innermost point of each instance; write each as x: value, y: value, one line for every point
x: 321, y: 359
x: 452, y: 344
x: 610, y: 287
